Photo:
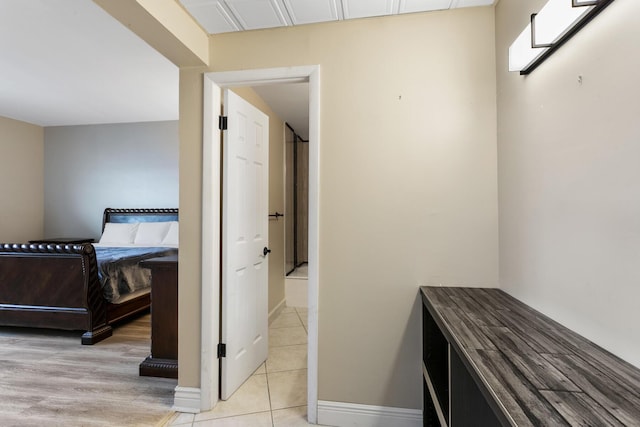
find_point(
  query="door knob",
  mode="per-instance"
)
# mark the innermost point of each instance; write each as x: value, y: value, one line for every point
x: 266, y: 251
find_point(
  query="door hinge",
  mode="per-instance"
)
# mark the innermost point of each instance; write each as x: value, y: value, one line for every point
x: 222, y: 350
x: 222, y: 122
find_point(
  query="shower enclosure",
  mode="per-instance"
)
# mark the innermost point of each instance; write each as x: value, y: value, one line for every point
x: 297, y: 203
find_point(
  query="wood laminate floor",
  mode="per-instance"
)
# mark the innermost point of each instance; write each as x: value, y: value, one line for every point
x: 48, y: 378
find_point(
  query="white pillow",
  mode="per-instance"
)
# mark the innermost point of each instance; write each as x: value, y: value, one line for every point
x: 171, y: 238
x: 119, y: 233
x: 151, y: 233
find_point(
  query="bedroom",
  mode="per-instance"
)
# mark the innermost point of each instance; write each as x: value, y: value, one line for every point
x: 65, y: 170
x: 88, y: 146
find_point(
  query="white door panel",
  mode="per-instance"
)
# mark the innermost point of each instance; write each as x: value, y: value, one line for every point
x: 244, y: 237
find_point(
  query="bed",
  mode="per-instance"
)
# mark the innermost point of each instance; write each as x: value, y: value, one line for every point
x: 66, y: 286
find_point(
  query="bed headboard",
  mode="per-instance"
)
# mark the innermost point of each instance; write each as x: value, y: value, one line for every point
x: 139, y: 215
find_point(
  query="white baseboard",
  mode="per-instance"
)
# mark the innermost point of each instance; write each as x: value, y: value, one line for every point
x: 186, y: 399
x: 277, y: 310
x: 355, y: 415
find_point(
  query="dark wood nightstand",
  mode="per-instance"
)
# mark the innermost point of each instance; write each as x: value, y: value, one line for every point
x: 163, y: 360
x: 64, y: 240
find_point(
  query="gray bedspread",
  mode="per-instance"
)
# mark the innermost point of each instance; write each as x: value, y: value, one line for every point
x: 119, y: 272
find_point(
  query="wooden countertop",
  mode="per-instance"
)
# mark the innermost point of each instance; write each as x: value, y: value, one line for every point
x: 538, y: 372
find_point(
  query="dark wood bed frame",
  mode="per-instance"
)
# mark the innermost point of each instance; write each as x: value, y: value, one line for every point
x: 56, y: 285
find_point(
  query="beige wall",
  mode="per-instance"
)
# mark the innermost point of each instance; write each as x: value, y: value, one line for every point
x: 22, y: 186
x: 408, y: 184
x: 190, y: 257
x: 276, y: 195
x: 569, y: 174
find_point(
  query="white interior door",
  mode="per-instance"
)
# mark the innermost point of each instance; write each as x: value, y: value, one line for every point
x: 245, y: 274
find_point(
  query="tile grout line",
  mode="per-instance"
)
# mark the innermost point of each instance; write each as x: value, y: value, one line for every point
x: 288, y: 345
x: 266, y: 372
x: 303, y: 325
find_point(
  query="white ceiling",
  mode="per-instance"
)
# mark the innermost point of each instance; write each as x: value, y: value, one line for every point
x: 67, y: 62
x: 222, y: 16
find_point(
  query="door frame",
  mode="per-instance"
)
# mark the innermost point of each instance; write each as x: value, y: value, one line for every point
x: 211, y: 202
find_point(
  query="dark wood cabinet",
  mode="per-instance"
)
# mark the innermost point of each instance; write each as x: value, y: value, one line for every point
x: 451, y: 396
x: 163, y: 360
x: 490, y: 360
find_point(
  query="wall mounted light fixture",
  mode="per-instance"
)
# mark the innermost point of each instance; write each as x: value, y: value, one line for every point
x: 549, y: 29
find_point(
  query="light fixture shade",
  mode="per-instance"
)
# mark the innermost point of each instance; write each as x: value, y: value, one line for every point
x: 521, y: 54
x: 557, y: 22
x: 556, y: 18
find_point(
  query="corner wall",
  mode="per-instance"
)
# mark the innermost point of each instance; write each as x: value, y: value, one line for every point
x: 407, y: 181
x: 568, y: 157
x: 22, y: 186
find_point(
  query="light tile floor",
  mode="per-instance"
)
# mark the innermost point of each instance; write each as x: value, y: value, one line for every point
x: 276, y: 394
x: 301, y: 272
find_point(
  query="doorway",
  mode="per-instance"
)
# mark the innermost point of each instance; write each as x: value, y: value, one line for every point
x: 213, y: 82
